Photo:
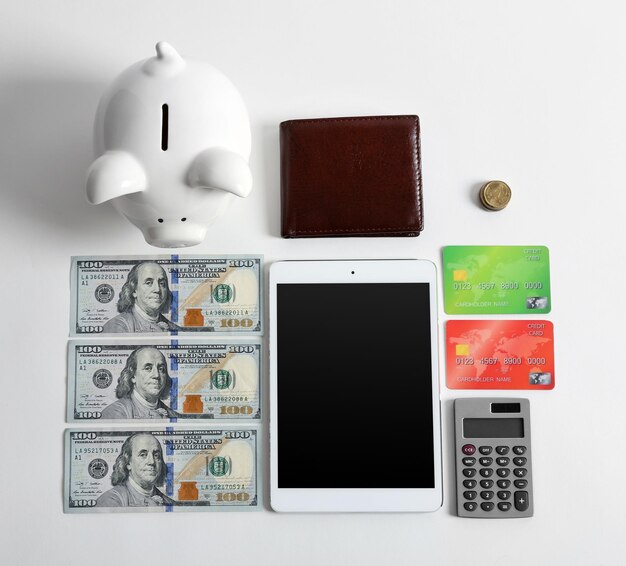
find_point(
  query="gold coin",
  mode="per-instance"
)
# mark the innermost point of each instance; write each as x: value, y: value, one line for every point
x: 495, y: 195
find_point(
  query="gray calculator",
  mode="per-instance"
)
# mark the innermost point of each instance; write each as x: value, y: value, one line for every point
x: 493, y: 459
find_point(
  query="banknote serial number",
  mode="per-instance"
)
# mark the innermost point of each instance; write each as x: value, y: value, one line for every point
x: 100, y: 276
x: 229, y: 312
x: 226, y: 399
x: 96, y: 450
x: 97, y: 361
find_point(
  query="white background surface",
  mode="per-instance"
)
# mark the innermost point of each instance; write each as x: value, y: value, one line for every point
x: 529, y: 92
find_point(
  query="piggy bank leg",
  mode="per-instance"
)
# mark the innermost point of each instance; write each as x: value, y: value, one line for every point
x: 219, y: 168
x: 114, y: 174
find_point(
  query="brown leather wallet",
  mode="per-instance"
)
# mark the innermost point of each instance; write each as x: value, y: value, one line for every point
x: 351, y: 177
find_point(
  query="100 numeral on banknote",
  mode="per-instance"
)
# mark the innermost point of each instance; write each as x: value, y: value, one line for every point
x: 166, y: 294
x: 161, y: 470
x: 173, y: 380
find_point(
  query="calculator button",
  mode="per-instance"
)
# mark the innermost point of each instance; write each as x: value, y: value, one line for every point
x: 520, y: 484
x: 503, y: 484
x: 520, y: 472
x: 521, y: 500
x: 504, y: 506
x: 503, y: 472
x: 487, y: 495
x: 469, y: 461
x: 504, y: 494
x: 519, y: 450
x: 471, y: 495
x: 487, y: 506
x: 469, y: 484
x: 502, y: 461
x: 502, y: 450
x: 486, y: 484
x: 486, y: 461
x: 468, y: 449
x: 519, y: 461
x: 485, y: 450
x: 469, y: 472
x: 470, y: 506
x: 486, y: 472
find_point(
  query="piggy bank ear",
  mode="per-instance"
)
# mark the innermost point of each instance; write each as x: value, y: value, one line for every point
x: 114, y: 174
x: 219, y: 168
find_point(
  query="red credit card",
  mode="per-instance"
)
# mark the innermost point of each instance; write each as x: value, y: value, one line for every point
x: 499, y: 354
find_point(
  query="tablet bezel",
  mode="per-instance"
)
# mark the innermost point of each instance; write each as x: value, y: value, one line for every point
x: 354, y: 499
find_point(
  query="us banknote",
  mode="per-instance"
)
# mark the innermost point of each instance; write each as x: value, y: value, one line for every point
x: 129, y: 295
x: 161, y: 470
x: 163, y: 380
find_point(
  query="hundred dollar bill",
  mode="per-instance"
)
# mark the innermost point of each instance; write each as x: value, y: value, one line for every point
x: 124, y: 295
x: 173, y: 380
x: 161, y: 470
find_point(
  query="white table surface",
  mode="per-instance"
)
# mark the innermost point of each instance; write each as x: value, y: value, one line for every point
x: 532, y: 92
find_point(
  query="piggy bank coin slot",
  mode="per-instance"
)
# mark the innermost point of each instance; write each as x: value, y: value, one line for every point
x: 164, y: 126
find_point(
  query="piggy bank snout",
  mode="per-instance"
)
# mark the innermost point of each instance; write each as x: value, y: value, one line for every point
x: 174, y: 235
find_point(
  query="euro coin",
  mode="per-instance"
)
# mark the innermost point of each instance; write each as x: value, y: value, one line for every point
x: 495, y: 195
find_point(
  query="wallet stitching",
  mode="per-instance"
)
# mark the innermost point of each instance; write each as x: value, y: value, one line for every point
x: 418, y: 174
x: 415, y: 228
x: 291, y: 123
x: 387, y: 228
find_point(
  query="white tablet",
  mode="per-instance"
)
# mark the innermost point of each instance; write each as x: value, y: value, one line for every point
x: 355, y: 414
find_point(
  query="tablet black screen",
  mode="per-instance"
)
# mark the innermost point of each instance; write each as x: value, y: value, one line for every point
x: 354, y: 386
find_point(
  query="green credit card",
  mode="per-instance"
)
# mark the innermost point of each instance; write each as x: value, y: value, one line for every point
x: 496, y: 279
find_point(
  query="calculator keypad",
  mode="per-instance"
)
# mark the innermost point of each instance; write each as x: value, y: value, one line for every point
x: 509, y: 500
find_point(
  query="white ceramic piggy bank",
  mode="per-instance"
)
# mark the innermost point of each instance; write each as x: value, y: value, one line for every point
x: 173, y: 140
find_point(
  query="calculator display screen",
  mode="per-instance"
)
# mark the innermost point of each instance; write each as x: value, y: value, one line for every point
x: 493, y: 428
